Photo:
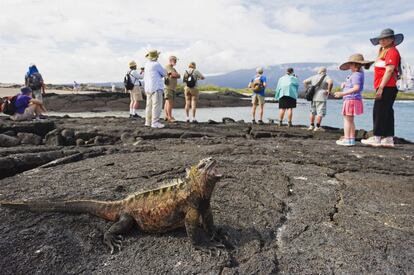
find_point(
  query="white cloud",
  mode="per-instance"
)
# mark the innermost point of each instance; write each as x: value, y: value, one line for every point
x: 93, y: 40
x: 293, y: 19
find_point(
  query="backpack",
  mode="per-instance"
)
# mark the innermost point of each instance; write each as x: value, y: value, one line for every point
x: 166, y: 81
x: 129, y: 85
x: 258, y: 85
x: 311, y: 90
x: 8, y: 106
x: 35, y: 81
x: 190, y: 80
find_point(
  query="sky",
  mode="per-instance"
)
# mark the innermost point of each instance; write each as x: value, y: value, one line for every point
x: 93, y: 41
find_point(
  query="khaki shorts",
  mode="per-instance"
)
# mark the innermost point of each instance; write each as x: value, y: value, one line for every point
x: 258, y: 99
x: 191, y: 92
x: 29, y: 114
x: 318, y: 108
x: 169, y: 94
x: 136, y: 94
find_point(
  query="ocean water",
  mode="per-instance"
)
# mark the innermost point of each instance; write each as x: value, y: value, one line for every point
x: 403, y: 111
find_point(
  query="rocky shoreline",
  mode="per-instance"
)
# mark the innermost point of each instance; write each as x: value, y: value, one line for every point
x: 291, y: 200
x: 107, y: 101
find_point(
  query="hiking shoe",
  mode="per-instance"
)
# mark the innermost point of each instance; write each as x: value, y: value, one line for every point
x: 157, y: 125
x: 372, y: 141
x: 253, y: 121
x: 387, y: 142
x: 280, y: 123
x: 289, y: 124
x: 188, y: 120
x: 194, y: 121
x: 318, y: 129
x: 135, y: 116
x: 345, y: 142
x: 311, y: 128
x: 260, y: 122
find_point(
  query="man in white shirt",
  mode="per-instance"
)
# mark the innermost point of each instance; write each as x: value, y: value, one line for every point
x: 154, y: 87
x: 136, y: 92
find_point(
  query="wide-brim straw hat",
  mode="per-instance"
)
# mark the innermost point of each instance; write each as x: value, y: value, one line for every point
x: 153, y: 55
x: 398, y: 38
x: 356, y: 58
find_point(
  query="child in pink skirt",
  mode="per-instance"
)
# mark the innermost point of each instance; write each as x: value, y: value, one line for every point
x: 351, y: 94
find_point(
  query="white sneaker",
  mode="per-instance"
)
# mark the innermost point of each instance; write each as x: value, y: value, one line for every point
x: 157, y: 125
x: 311, y: 128
x: 387, y: 142
x: 345, y: 142
x: 372, y: 141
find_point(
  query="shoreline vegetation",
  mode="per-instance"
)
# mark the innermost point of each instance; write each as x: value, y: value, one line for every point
x: 85, y: 88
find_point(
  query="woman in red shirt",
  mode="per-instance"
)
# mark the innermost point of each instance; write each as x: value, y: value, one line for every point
x: 385, y: 84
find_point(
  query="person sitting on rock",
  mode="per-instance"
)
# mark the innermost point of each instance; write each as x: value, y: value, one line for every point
x: 27, y: 108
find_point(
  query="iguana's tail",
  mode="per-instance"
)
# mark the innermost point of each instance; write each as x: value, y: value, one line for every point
x: 106, y: 210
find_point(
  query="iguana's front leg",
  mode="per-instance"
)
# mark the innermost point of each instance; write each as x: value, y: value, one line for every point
x: 112, y: 238
x: 192, y: 226
x: 208, y: 223
x: 214, y: 233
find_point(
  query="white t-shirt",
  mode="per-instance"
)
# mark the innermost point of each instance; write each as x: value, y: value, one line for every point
x: 136, y: 78
x: 153, y: 77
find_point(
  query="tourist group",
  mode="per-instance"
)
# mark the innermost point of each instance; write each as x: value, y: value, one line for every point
x: 159, y: 85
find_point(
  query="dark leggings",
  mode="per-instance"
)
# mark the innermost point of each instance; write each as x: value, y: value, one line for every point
x: 384, y: 113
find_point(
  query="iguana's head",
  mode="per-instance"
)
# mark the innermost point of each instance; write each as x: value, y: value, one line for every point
x: 203, y: 176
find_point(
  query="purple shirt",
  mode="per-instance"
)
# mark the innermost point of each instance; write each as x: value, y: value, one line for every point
x: 21, y: 103
x: 356, y: 78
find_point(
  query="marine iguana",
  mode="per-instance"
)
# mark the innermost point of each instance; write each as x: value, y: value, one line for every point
x: 181, y: 203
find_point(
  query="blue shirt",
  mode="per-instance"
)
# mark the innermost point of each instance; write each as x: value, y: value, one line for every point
x: 287, y: 85
x: 356, y: 78
x: 21, y: 103
x: 263, y: 80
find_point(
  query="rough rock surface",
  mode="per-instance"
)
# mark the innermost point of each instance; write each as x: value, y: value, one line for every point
x: 292, y: 202
x: 120, y: 101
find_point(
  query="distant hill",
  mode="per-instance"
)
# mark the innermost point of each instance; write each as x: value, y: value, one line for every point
x: 240, y: 78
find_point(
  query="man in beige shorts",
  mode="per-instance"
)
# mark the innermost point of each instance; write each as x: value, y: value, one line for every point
x: 170, y: 87
x: 136, y: 92
x: 191, y: 77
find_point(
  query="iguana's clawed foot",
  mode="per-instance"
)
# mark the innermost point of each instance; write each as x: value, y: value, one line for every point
x: 113, y: 242
x: 223, y: 238
x: 211, y: 250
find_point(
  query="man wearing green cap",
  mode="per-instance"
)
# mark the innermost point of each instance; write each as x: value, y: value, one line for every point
x: 154, y: 86
x: 170, y: 87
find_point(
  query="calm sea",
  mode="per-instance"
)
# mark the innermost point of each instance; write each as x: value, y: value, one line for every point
x: 404, y: 115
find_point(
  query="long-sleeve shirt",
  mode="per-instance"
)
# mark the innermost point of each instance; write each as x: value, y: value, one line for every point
x: 287, y: 85
x: 153, y: 77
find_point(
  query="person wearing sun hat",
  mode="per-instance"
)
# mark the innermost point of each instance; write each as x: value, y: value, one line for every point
x: 351, y: 93
x: 386, y: 74
x: 154, y: 86
x: 136, y: 92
